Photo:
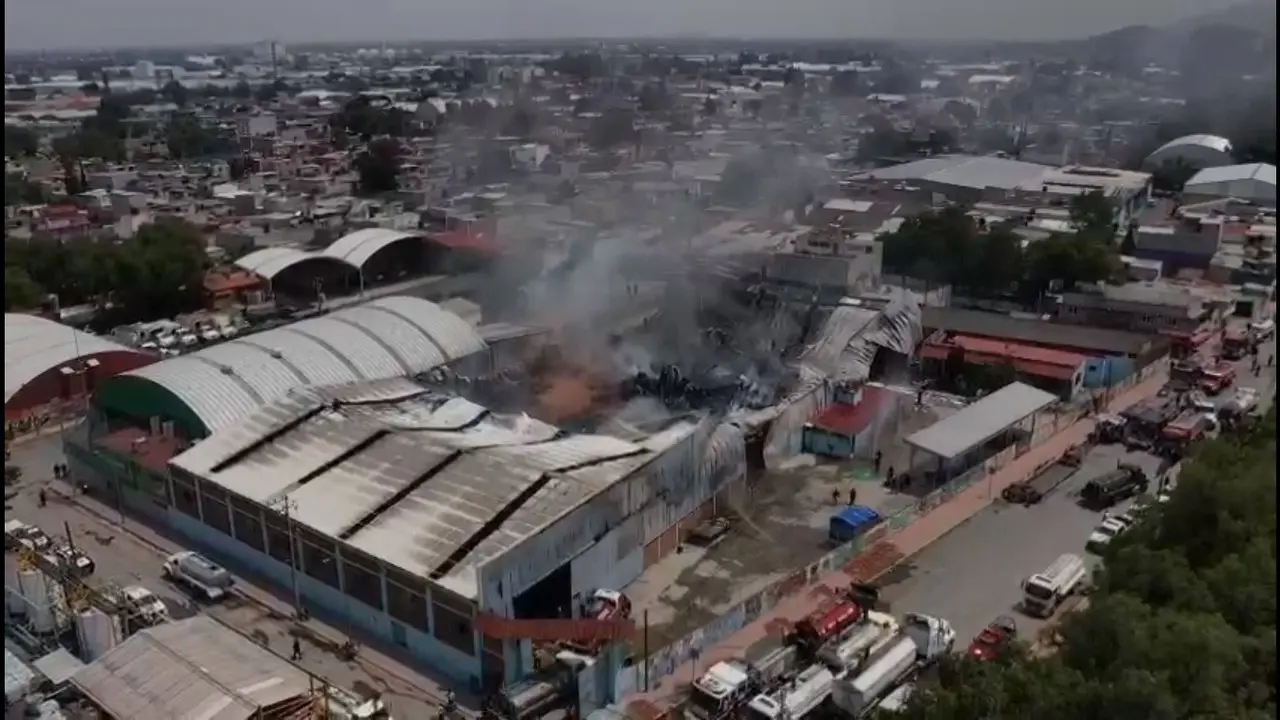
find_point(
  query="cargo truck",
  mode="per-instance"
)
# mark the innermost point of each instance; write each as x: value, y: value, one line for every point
x: 1043, y: 592
x: 727, y: 687
x: 850, y: 653
x: 795, y: 699
x: 921, y: 643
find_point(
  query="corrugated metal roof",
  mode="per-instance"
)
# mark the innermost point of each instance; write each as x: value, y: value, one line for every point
x: 271, y: 261
x: 1213, y: 142
x: 975, y: 424
x: 34, y: 345
x: 340, y: 466
x: 1262, y: 172
x: 195, y: 669
x: 356, y: 248
x: 968, y: 171
x: 388, y: 337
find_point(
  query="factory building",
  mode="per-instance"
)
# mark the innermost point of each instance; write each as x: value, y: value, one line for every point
x: 47, y: 363
x: 460, y: 533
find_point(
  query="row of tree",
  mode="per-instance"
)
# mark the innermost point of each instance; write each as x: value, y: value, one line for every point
x: 949, y: 247
x: 157, y: 273
x: 1182, y: 623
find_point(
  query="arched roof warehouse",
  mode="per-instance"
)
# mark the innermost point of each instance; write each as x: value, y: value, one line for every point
x: 271, y: 261
x: 356, y: 248
x: 1198, y: 151
x: 215, y: 388
x: 36, y: 350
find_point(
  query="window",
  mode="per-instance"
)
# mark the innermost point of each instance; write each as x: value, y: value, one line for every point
x: 453, y: 629
x: 184, y: 498
x: 278, y: 539
x: 319, y: 557
x: 362, y: 578
x: 248, y: 524
x: 407, y: 606
x: 216, y: 513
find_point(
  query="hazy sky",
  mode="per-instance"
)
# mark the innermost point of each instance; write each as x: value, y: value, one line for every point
x: 35, y: 24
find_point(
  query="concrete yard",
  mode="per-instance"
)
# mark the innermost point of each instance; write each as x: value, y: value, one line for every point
x: 974, y: 573
x: 783, y: 529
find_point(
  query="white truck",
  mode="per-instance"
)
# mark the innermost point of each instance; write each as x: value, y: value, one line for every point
x: 195, y: 571
x: 922, y: 642
x: 1043, y: 592
x: 796, y: 699
x: 729, y: 686
x: 865, y: 639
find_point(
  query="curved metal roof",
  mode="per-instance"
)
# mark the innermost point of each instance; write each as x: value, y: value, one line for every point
x: 34, y: 345
x: 271, y: 261
x: 1213, y: 142
x: 389, y: 337
x: 1198, y: 149
x: 356, y: 248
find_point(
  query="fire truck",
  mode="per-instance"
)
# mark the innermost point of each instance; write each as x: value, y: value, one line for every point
x: 1217, y: 378
x: 1235, y: 344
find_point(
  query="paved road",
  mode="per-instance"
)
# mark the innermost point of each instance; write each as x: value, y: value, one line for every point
x: 973, y: 574
x: 128, y: 555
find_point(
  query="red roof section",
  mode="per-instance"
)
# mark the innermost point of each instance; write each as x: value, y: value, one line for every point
x: 1026, y: 358
x: 461, y: 240
x: 849, y: 420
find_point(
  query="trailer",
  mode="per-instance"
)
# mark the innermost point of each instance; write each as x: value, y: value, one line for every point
x: 921, y: 643
x: 850, y: 653
x: 726, y: 687
x: 1034, y: 490
x: 796, y: 699
x: 1045, y: 591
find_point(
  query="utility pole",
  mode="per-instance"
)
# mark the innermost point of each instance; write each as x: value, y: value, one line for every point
x: 286, y: 506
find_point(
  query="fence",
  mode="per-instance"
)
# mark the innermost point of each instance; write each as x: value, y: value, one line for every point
x: 663, y: 663
x: 647, y: 675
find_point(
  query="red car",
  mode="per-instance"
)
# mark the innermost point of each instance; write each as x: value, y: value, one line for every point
x: 993, y: 639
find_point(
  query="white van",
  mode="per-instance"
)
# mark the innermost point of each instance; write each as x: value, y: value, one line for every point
x: 1043, y: 592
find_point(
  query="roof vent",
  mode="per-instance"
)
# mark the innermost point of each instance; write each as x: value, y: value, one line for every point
x: 226, y: 370
x: 276, y: 354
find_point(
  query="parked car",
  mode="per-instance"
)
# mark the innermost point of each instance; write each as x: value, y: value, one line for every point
x: 1109, y: 529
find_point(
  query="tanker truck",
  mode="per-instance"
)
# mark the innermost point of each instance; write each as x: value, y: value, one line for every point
x: 920, y: 643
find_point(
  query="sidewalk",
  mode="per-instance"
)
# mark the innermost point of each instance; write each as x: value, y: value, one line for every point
x: 883, y: 556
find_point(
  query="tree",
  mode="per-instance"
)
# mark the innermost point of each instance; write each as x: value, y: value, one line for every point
x: 379, y: 167
x: 18, y: 190
x: 20, y: 142
x: 1182, y: 621
x: 613, y: 127
x: 176, y: 93
x: 187, y: 138
x: 20, y: 291
x: 845, y: 84
x: 157, y: 273
x: 1093, y: 214
x: 1172, y: 175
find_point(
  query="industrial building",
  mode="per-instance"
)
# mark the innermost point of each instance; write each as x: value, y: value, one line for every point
x: 1195, y: 151
x: 1255, y: 183
x: 46, y: 362
x: 308, y: 455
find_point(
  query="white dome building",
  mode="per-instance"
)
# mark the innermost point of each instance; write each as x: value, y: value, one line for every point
x: 1198, y: 151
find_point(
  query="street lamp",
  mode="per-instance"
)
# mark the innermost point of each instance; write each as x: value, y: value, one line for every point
x: 286, y: 506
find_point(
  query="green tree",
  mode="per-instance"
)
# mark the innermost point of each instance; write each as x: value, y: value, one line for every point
x: 20, y: 142
x: 379, y: 167
x: 1065, y: 261
x: 157, y: 273
x: 20, y: 291
x: 1181, y: 624
x: 187, y: 138
x: 176, y: 93
x: 18, y: 190
x: 1093, y: 214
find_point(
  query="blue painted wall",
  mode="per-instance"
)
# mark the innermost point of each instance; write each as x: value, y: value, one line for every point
x: 1107, y: 371
x: 327, y: 602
